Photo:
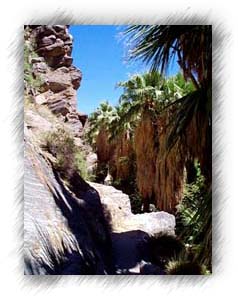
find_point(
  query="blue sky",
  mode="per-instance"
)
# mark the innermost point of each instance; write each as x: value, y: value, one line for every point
x: 99, y: 53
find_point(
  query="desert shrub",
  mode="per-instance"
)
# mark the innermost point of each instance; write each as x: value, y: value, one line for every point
x: 81, y: 166
x: 173, y: 257
x: 69, y: 158
x: 163, y: 248
x: 185, y: 267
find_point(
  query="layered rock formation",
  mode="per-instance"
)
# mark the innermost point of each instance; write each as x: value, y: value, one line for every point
x: 59, y: 78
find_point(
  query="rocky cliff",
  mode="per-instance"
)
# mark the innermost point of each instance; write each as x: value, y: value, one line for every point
x: 81, y: 227
x: 59, y: 79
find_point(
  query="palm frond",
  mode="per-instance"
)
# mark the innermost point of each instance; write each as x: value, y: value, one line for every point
x: 158, y: 45
x: 182, y: 116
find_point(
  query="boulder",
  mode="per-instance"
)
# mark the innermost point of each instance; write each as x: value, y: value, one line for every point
x: 59, y: 28
x: 57, y: 84
x: 46, y: 30
x: 91, y: 161
x: 68, y: 42
x: 63, y: 69
x: 68, y: 96
x: 118, y: 204
x: 153, y: 223
x: 131, y: 233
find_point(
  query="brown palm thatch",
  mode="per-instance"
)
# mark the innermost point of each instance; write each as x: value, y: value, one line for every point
x: 146, y: 153
x: 123, y: 156
x: 103, y: 146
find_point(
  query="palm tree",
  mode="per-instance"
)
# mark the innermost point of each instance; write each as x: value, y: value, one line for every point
x: 158, y: 45
x: 142, y: 102
x: 191, y: 121
x: 99, y: 121
x: 98, y: 135
x: 139, y: 102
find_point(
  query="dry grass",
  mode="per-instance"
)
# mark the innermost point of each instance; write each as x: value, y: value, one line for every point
x: 146, y: 153
x: 103, y: 146
x: 122, y: 156
x: 169, y: 176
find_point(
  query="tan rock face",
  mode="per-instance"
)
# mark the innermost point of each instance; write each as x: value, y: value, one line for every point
x: 60, y: 225
x: 60, y: 79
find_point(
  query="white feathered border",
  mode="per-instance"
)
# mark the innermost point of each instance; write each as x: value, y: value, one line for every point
x: 132, y: 286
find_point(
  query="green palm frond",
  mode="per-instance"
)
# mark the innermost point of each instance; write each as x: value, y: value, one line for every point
x: 183, y: 115
x: 159, y: 45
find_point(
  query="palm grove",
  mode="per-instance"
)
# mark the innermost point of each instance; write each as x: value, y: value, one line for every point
x: 156, y: 143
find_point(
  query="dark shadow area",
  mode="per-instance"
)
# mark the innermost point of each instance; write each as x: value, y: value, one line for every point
x: 129, y: 249
x: 135, y: 252
x: 88, y: 224
x: 164, y: 248
x: 90, y: 231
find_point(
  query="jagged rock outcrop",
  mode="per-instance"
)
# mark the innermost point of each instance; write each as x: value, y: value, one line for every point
x: 59, y: 78
x: 57, y: 83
